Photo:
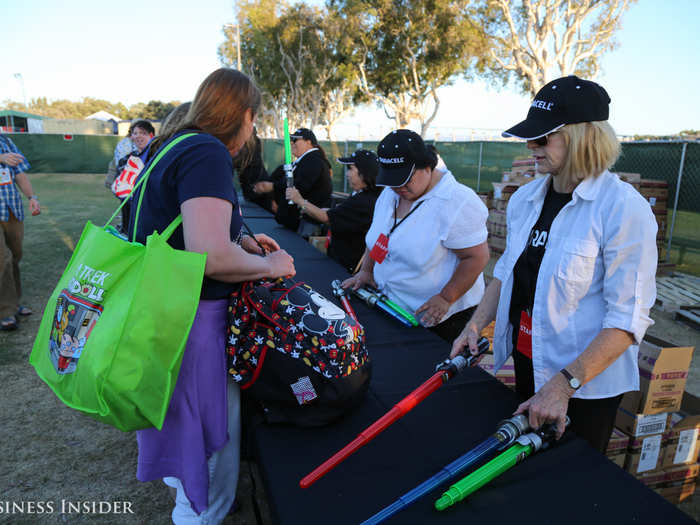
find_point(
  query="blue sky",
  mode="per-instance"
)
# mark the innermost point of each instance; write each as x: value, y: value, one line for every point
x: 133, y: 51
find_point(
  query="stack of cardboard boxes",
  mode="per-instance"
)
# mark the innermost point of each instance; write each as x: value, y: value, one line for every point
x: 662, y: 435
x: 522, y: 172
x: 506, y: 374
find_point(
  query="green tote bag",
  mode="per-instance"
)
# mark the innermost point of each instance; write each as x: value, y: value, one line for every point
x: 114, y: 331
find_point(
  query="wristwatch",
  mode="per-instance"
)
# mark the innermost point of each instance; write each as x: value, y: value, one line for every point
x: 34, y: 197
x: 573, y: 382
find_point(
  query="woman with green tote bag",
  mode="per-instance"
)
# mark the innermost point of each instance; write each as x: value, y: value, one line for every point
x: 197, y: 449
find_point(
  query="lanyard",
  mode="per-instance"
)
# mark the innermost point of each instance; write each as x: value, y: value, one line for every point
x: 396, y: 209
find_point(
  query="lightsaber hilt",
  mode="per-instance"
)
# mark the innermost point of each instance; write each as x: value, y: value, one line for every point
x: 383, y: 297
x: 461, y: 361
x: 372, y: 300
x: 289, y: 174
x: 342, y: 296
x: 525, y: 445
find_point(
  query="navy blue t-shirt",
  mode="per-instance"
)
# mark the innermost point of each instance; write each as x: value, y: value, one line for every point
x: 199, y: 166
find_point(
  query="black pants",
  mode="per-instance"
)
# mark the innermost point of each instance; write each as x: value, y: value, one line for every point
x: 451, y: 327
x: 591, y: 419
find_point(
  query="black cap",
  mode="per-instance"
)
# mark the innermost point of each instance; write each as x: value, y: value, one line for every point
x: 304, y: 133
x: 365, y: 160
x: 398, y: 154
x: 566, y: 100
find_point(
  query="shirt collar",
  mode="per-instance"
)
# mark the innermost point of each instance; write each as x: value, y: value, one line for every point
x: 302, y: 155
x: 588, y: 189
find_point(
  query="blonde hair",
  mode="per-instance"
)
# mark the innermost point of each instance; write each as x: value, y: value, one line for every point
x: 220, y: 105
x: 592, y: 148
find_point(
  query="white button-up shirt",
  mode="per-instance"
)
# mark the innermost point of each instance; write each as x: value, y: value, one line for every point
x: 598, y: 271
x: 420, y: 260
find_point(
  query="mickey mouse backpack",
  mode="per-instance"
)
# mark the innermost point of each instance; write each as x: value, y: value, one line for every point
x: 295, y: 352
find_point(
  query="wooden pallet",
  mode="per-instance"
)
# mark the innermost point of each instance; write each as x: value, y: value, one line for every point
x: 689, y: 316
x: 677, y: 290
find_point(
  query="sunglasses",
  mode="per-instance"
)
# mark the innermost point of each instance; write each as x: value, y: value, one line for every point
x: 541, y: 141
x: 293, y: 140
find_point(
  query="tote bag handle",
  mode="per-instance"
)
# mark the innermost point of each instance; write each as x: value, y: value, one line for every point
x: 178, y: 220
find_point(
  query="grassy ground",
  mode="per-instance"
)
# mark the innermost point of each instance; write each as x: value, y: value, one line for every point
x: 49, y: 453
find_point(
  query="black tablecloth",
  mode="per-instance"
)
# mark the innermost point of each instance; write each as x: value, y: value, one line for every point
x: 570, y: 483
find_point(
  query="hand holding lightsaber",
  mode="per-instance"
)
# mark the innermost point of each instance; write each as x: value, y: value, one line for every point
x: 339, y: 292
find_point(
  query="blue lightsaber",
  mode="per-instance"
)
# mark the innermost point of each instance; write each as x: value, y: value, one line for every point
x: 508, y: 431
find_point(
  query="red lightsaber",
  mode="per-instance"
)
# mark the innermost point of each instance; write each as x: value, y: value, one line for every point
x: 445, y: 371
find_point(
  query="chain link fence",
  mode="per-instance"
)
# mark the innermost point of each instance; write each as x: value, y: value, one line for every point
x: 479, y: 163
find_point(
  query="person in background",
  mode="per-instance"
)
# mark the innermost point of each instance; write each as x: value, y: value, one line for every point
x: 141, y: 133
x: 571, y: 294
x: 173, y: 120
x: 125, y: 147
x: 349, y: 220
x: 12, y: 178
x: 426, y: 247
x: 250, y: 169
x: 312, y: 177
x: 197, y: 450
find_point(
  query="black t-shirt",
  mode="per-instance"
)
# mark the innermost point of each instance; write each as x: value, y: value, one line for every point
x: 199, y: 166
x: 528, y: 266
x: 349, y: 222
x: 253, y: 172
x: 312, y: 177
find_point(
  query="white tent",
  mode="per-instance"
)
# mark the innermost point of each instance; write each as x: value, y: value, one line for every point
x: 103, y: 116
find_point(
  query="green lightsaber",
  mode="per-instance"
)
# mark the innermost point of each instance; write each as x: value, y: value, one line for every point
x: 287, y: 144
x: 289, y: 173
x: 524, y: 446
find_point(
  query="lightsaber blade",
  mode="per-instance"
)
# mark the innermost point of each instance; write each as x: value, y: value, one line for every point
x: 445, y: 371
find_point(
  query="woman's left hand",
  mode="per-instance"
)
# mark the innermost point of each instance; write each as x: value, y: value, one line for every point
x: 249, y: 244
x: 433, y: 310
x: 292, y: 194
x: 549, y: 404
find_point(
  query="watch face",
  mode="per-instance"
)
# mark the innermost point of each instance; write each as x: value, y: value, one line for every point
x: 575, y: 383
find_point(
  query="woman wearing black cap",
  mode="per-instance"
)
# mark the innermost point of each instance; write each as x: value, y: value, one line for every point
x: 350, y: 220
x: 312, y: 177
x: 572, y: 292
x: 426, y: 247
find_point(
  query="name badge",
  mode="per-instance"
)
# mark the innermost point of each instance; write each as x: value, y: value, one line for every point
x: 380, y: 249
x: 5, y: 176
x: 524, y: 345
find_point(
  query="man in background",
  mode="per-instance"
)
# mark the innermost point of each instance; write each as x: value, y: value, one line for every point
x: 12, y: 179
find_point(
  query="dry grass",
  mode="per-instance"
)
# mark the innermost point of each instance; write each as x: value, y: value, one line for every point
x: 50, y: 453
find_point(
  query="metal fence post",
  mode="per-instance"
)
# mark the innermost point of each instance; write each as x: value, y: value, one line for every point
x: 478, y: 172
x: 675, y: 202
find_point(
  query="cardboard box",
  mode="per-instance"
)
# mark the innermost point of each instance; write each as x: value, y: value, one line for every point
x: 675, y: 484
x: 676, y: 493
x: 666, y: 476
x: 505, y: 375
x: 682, y: 444
x: 663, y: 370
x: 503, y: 190
x: 644, y: 454
x: 617, y: 447
x: 638, y: 425
x: 632, y: 178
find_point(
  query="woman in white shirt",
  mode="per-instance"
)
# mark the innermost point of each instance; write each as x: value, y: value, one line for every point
x: 426, y: 247
x: 572, y: 292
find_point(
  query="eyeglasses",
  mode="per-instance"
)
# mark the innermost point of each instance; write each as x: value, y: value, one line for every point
x: 293, y: 140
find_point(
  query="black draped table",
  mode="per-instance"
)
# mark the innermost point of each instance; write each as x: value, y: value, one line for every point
x: 568, y: 484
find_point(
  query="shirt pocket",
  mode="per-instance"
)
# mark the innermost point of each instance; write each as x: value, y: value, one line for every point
x: 577, y: 267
